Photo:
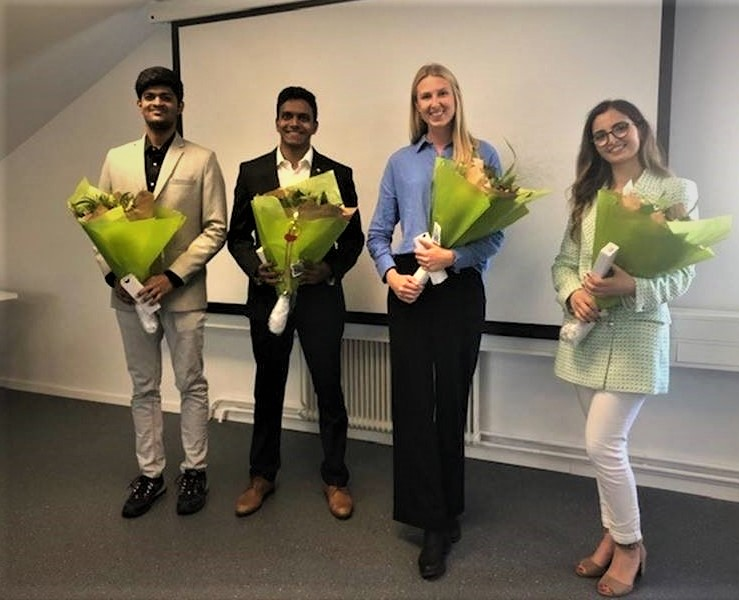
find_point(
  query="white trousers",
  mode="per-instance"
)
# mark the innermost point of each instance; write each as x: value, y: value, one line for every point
x: 609, y: 417
x: 184, y: 333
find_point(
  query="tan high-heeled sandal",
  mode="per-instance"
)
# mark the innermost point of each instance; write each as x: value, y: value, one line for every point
x: 587, y: 568
x: 608, y: 586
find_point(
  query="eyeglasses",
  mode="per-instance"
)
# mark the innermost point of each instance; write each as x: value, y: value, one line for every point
x: 619, y: 131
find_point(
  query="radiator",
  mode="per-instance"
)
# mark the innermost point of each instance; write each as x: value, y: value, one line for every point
x: 365, y: 376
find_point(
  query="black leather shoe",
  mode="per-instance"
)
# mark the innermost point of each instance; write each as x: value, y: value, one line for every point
x: 432, y: 560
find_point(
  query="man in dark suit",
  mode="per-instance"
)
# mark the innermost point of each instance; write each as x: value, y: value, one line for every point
x: 318, y: 313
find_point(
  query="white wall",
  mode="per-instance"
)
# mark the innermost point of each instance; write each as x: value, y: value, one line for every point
x: 60, y: 336
x: 704, y: 135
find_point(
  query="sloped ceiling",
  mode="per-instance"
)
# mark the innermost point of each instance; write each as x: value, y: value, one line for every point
x: 32, y: 29
x: 54, y: 50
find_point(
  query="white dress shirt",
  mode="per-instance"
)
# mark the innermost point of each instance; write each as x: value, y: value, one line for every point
x: 289, y: 176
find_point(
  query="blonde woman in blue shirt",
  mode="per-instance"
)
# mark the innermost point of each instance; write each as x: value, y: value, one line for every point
x: 626, y: 355
x: 435, y: 330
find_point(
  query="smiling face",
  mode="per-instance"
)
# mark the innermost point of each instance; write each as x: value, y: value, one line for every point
x: 616, y: 137
x: 160, y: 108
x: 296, y: 124
x: 435, y: 102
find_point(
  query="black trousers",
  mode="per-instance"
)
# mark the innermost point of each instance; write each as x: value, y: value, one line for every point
x: 434, y: 346
x: 318, y: 317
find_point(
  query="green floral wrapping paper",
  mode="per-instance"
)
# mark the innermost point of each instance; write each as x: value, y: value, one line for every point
x: 300, y: 223
x: 128, y: 246
x: 469, y: 210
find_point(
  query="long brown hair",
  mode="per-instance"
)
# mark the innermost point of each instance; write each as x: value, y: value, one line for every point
x: 594, y: 172
x: 462, y: 141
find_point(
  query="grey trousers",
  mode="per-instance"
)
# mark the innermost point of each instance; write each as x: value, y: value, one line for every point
x: 184, y: 333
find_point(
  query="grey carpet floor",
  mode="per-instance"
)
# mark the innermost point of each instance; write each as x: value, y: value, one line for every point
x: 65, y: 466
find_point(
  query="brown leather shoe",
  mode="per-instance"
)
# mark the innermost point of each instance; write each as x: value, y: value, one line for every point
x: 252, y: 498
x: 339, y: 501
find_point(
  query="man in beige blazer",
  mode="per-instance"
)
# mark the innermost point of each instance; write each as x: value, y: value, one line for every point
x: 185, y: 177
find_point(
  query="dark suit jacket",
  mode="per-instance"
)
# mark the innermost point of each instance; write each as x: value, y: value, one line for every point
x: 258, y: 176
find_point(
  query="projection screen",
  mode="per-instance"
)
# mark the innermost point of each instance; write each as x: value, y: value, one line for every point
x: 529, y: 72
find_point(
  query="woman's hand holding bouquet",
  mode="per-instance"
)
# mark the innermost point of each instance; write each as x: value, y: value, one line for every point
x: 427, y: 250
x: 582, y: 302
x: 653, y: 236
x: 470, y: 201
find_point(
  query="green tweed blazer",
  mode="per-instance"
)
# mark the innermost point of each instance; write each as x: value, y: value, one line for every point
x: 628, y: 350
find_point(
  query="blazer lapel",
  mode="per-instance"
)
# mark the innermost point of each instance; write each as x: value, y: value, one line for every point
x: 175, y: 152
x: 138, y: 159
x: 268, y: 173
x: 318, y: 166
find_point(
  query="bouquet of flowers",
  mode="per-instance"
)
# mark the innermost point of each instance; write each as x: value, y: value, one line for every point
x: 127, y: 229
x: 298, y: 224
x: 470, y: 201
x: 652, y: 237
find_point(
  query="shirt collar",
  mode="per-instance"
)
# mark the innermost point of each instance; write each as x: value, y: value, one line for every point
x: 306, y: 161
x: 149, y: 147
x: 423, y: 142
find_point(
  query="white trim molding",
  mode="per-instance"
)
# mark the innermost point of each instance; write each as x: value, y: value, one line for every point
x: 705, y: 339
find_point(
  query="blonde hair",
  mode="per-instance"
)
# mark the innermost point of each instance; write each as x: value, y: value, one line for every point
x: 464, y: 144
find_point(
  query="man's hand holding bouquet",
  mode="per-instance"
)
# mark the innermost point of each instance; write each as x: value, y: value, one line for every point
x: 129, y: 231
x: 297, y: 226
x: 470, y: 201
x: 652, y: 236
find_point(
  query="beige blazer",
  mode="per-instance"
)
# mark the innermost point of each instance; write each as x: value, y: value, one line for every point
x: 191, y: 182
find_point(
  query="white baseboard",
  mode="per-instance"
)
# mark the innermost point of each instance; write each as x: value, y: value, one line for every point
x: 78, y: 393
x: 704, y: 480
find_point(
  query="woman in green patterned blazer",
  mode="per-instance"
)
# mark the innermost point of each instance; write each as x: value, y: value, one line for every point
x: 626, y: 355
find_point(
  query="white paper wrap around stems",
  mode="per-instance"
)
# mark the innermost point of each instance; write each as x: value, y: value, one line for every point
x: 278, y: 316
x: 574, y: 331
x: 147, y: 318
x: 145, y: 310
x: 422, y: 276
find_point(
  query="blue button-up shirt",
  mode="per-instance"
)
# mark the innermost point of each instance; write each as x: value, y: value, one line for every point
x: 405, y: 198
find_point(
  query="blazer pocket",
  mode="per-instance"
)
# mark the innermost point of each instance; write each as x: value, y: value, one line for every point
x: 179, y: 181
